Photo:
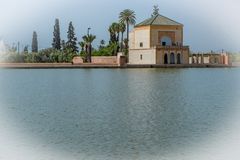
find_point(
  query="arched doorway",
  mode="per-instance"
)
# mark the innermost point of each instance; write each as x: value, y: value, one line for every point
x: 172, y: 58
x: 178, y: 58
x: 165, y: 58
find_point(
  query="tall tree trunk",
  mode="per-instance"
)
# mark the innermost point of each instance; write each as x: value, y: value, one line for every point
x: 122, y: 42
x: 118, y: 41
x: 86, y: 50
x: 127, y: 33
x: 118, y: 37
x: 90, y: 53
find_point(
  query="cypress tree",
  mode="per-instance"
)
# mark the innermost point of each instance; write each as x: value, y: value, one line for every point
x: 34, y: 42
x: 63, y: 44
x: 72, y: 40
x: 56, y: 36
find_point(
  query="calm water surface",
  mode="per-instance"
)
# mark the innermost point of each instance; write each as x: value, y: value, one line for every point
x: 118, y: 114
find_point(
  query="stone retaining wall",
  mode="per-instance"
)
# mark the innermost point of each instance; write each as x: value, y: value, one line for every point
x: 97, y: 60
x: 104, y: 60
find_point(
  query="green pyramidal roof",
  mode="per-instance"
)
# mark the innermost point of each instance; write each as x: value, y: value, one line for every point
x: 158, y: 20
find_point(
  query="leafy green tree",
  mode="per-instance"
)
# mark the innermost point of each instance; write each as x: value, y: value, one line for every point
x: 88, y: 39
x: 102, y: 44
x: 34, y: 42
x: 127, y: 16
x: 72, y: 40
x: 13, y: 48
x: 113, y: 37
x: 116, y: 29
x: 113, y: 48
x: 53, y: 57
x: 25, y: 50
x: 69, y: 54
x: 63, y: 44
x: 125, y: 41
x: 56, y: 44
x: 82, y: 44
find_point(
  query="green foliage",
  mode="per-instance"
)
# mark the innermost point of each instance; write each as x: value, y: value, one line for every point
x: 88, y: 39
x: 113, y: 48
x: 56, y: 44
x: 25, y: 50
x: 235, y: 57
x: 68, y: 55
x: 13, y: 57
x: 82, y: 45
x: 104, y: 51
x: 110, y: 50
x: 72, y: 40
x: 34, y: 42
x: 102, y: 44
x: 127, y: 16
x: 122, y: 28
x: 114, y: 30
x: 49, y: 55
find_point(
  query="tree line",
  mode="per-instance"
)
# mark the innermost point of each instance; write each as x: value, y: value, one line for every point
x: 64, y: 51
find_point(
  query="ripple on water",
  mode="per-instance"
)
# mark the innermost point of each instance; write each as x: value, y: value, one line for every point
x: 119, y: 113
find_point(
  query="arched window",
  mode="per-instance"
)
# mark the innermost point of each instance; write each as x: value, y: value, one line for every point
x: 172, y: 58
x: 165, y: 58
x: 178, y: 58
x: 166, y: 41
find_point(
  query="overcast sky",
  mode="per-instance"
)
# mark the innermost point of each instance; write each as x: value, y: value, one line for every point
x: 208, y: 24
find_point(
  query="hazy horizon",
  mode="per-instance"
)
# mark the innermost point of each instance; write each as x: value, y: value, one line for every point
x: 208, y: 25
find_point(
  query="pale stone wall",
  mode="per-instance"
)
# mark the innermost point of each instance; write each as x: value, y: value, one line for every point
x: 206, y: 60
x: 142, y: 36
x: 150, y: 36
x: 121, y: 59
x: 131, y: 40
x: 104, y: 59
x: 190, y: 60
x: 209, y: 59
x: 97, y: 60
x: 142, y: 56
x: 226, y: 60
x: 185, y: 54
x: 77, y: 60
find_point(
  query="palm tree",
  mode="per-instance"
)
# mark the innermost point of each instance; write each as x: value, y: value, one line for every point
x: 113, y: 48
x: 127, y: 16
x: 88, y: 39
x: 122, y: 29
x: 112, y: 34
x: 102, y: 44
x: 81, y: 44
x: 116, y: 29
